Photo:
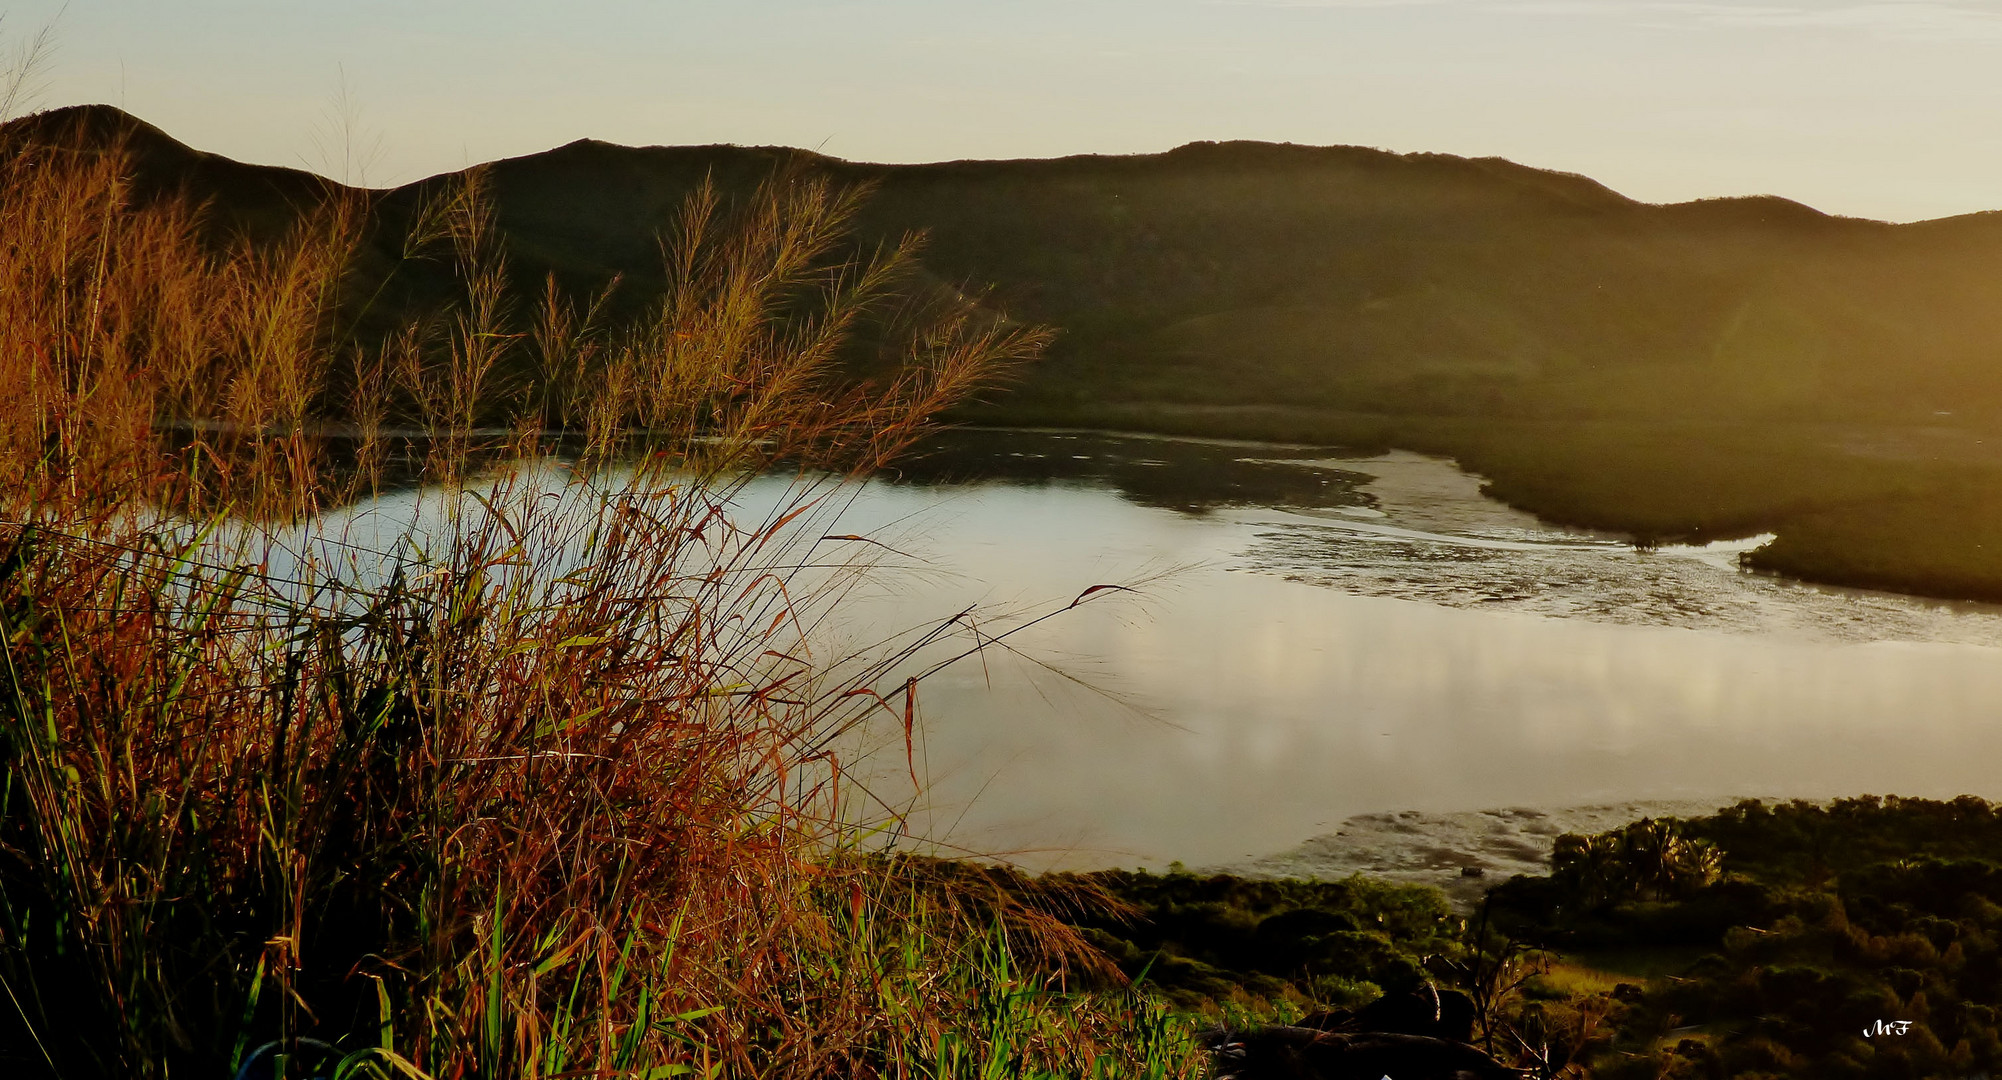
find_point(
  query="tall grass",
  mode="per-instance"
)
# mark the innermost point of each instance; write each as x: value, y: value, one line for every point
x: 552, y: 778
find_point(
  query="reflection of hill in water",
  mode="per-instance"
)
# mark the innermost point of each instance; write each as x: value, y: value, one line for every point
x: 1191, y: 476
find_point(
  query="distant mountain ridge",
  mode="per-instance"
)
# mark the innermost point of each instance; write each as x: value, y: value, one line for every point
x: 1698, y: 369
x: 1349, y: 278
x: 1336, y: 277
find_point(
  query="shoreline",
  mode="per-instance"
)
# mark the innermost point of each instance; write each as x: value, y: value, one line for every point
x: 1438, y: 849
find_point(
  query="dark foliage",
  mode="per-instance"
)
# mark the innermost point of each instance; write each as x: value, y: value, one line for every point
x: 1859, y: 939
x: 1214, y: 938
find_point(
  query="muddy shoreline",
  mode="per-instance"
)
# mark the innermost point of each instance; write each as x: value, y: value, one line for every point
x: 1461, y: 853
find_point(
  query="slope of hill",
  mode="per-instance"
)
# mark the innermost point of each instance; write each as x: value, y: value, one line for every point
x: 1705, y: 369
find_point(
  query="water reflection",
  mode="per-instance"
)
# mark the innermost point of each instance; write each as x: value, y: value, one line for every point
x: 1190, y: 475
x: 1402, y: 644
x: 1316, y: 636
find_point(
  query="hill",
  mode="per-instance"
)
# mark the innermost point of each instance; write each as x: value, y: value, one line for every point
x: 1690, y: 371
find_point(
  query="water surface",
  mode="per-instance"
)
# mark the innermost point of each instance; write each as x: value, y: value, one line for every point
x: 1303, y: 635
x: 1316, y: 636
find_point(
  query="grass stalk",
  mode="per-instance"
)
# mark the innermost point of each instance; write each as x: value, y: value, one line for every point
x: 543, y: 781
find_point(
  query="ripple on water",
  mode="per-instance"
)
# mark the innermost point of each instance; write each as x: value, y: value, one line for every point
x: 1439, y: 540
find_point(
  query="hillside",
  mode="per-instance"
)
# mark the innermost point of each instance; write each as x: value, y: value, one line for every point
x: 1705, y: 369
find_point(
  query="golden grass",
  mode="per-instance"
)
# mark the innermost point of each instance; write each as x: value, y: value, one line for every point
x: 559, y: 794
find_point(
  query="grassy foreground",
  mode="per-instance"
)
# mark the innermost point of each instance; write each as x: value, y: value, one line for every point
x: 528, y: 786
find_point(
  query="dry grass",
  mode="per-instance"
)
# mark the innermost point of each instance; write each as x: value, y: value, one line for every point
x: 546, y: 780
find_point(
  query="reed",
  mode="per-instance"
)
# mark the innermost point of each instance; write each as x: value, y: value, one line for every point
x: 552, y: 776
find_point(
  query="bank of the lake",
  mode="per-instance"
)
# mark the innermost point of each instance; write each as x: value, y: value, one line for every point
x: 1462, y: 853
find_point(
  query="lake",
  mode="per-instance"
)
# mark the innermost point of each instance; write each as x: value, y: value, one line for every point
x: 1303, y: 636
x: 1316, y: 636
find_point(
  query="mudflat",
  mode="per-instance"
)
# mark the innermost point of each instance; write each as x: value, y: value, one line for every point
x: 1438, y: 849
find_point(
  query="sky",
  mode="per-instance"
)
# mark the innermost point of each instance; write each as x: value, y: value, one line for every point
x: 1875, y: 108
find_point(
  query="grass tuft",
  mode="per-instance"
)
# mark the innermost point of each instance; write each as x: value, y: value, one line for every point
x: 551, y: 775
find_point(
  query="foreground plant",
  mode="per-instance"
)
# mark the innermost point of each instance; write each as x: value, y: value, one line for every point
x: 554, y: 774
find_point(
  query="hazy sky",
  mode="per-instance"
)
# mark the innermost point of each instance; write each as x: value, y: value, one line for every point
x: 1888, y: 108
